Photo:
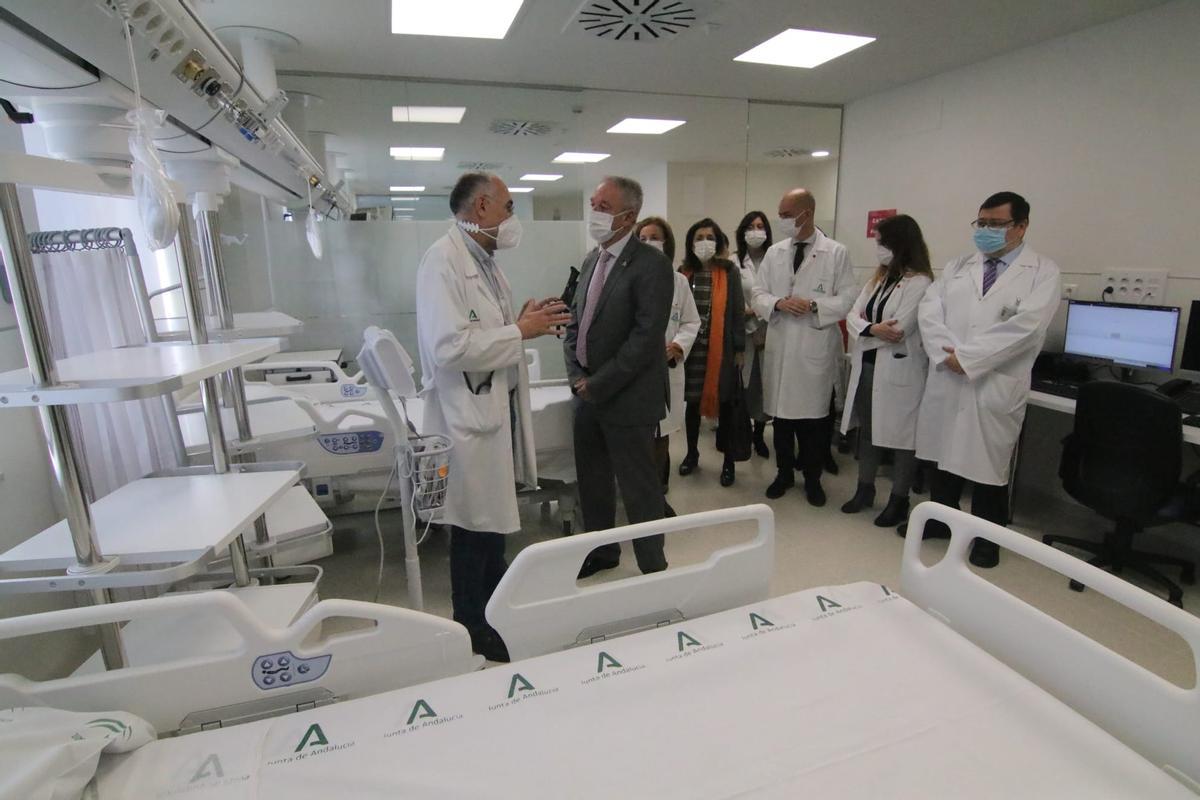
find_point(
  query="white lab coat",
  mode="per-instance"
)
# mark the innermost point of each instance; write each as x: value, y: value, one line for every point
x: 900, y: 368
x: 462, y: 334
x: 969, y: 424
x: 682, y: 328
x: 801, y: 360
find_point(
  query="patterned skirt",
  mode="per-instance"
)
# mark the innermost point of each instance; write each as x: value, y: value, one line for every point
x: 697, y: 361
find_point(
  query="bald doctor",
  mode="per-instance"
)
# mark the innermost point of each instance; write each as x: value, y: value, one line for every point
x: 805, y: 287
x: 476, y: 390
x: 982, y: 323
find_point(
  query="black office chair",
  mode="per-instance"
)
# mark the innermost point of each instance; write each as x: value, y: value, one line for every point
x: 1123, y: 461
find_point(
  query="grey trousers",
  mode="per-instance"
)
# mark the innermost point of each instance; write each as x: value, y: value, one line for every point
x: 612, y: 456
x: 904, y: 465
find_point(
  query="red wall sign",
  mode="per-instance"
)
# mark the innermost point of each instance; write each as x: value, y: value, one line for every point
x: 875, y: 217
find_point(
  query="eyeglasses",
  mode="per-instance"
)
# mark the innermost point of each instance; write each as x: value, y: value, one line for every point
x: 992, y: 224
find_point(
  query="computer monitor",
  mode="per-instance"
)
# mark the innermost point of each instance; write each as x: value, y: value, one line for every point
x: 1126, y: 335
x: 1190, y: 360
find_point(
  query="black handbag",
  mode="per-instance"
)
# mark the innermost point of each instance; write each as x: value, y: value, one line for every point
x: 738, y: 441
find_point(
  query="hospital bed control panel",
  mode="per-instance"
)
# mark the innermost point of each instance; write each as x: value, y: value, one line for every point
x: 279, y: 670
x: 350, y: 443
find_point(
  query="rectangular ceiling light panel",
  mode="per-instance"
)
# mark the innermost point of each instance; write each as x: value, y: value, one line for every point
x: 417, y: 153
x: 537, y: 176
x: 646, y: 126
x: 445, y: 115
x: 406, y: 188
x: 805, y: 49
x: 580, y: 158
x: 466, y: 19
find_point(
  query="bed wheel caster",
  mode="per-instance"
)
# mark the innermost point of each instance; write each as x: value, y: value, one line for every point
x: 1076, y: 586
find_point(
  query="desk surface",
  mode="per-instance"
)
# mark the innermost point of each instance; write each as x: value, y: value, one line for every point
x: 1066, y: 405
x: 844, y: 691
x: 159, y: 520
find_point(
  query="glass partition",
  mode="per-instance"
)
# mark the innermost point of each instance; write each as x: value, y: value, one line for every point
x: 728, y: 157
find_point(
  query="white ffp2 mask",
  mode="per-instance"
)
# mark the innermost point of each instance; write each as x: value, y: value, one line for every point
x: 884, y: 255
x: 786, y: 228
x: 655, y: 243
x: 756, y: 237
x: 600, y: 225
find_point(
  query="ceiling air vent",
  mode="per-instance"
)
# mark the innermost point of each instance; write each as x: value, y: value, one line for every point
x: 786, y: 152
x: 521, y: 127
x: 637, y: 20
x: 478, y: 166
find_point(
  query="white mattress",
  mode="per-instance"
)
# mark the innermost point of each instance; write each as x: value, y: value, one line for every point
x: 836, y: 692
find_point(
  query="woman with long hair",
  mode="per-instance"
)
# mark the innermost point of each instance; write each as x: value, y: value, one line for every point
x: 887, y: 379
x: 752, y: 238
x: 712, y: 367
x: 682, y: 327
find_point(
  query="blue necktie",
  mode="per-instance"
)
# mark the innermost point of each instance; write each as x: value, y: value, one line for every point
x: 989, y: 273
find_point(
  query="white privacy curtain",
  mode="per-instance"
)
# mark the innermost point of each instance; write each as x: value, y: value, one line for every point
x: 90, y: 306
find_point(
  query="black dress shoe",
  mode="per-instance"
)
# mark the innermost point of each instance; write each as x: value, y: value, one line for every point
x: 864, y: 497
x: 933, y: 530
x: 984, y: 554
x: 487, y: 643
x: 831, y: 466
x: 593, y: 565
x: 780, y: 485
x: 727, y: 474
x: 894, y: 512
x: 668, y: 512
x: 814, y: 493
x: 689, y: 463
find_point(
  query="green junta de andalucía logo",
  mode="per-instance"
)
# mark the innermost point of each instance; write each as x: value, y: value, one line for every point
x: 825, y: 603
x: 759, y: 621
x: 605, y: 660
x: 472, y: 316
x: 211, y: 768
x: 686, y: 641
x: 518, y: 684
x: 313, y: 737
x: 421, y: 710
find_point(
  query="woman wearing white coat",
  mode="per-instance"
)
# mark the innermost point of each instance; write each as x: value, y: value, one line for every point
x: 476, y: 390
x: 983, y: 323
x: 752, y: 239
x: 887, y: 379
x: 682, y: 328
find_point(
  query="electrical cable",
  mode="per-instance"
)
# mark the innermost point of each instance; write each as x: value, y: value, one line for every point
x: 379, y: 533
x: 48, y: 88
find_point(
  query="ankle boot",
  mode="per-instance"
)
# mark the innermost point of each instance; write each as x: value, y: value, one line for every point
x: 895, y: 512
x: 864, y: 497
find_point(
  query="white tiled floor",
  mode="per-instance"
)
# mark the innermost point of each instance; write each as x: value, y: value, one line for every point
x: 814, y: 547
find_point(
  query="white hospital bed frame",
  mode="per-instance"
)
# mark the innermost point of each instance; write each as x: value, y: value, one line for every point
x: 390, y: 648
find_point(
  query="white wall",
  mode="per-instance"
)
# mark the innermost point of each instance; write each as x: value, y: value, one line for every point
x: 1098, y: 130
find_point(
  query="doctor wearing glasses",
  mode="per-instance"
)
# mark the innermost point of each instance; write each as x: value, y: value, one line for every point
x: 476, y: 390
x: 982, y: 323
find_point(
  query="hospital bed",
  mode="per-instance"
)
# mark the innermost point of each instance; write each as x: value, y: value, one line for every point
x: 948, y: 687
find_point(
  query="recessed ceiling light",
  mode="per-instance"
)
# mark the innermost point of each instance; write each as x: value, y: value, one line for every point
x: 535, y: 176
x: 406, y: 208
x: 520, y: 189
x: 579, y: 158
x: 446, y: 115
x: 800, y: 48
x: 643, y: 125
x: 820, y: 153
x: 468, y: 19
x: 406, y: 188
x: 417, y: 153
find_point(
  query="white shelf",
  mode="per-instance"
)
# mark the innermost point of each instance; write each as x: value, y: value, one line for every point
x: 131, y: 373
x: 295, y: 515
x: 161, y: 640
x: 36, y: 172
x: 248, y: 325
x: 334, y: 355
x: 279, y: 420
x: 161, y: 520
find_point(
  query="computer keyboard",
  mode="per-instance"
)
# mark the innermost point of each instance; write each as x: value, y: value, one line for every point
x: 1058, y: 388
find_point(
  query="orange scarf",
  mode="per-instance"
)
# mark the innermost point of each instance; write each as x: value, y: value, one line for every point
x: 710, y: 397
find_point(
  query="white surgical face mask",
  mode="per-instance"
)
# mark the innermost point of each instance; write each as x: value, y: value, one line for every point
x: 508, y: 235
x: 756, y: 237
x: 655, y: 243
x: 600, y: 225
x: 704, y: 249
x: 785, y: 227
x: 884, y: 255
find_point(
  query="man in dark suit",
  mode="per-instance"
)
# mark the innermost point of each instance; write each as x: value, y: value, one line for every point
x: 618, y: 373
